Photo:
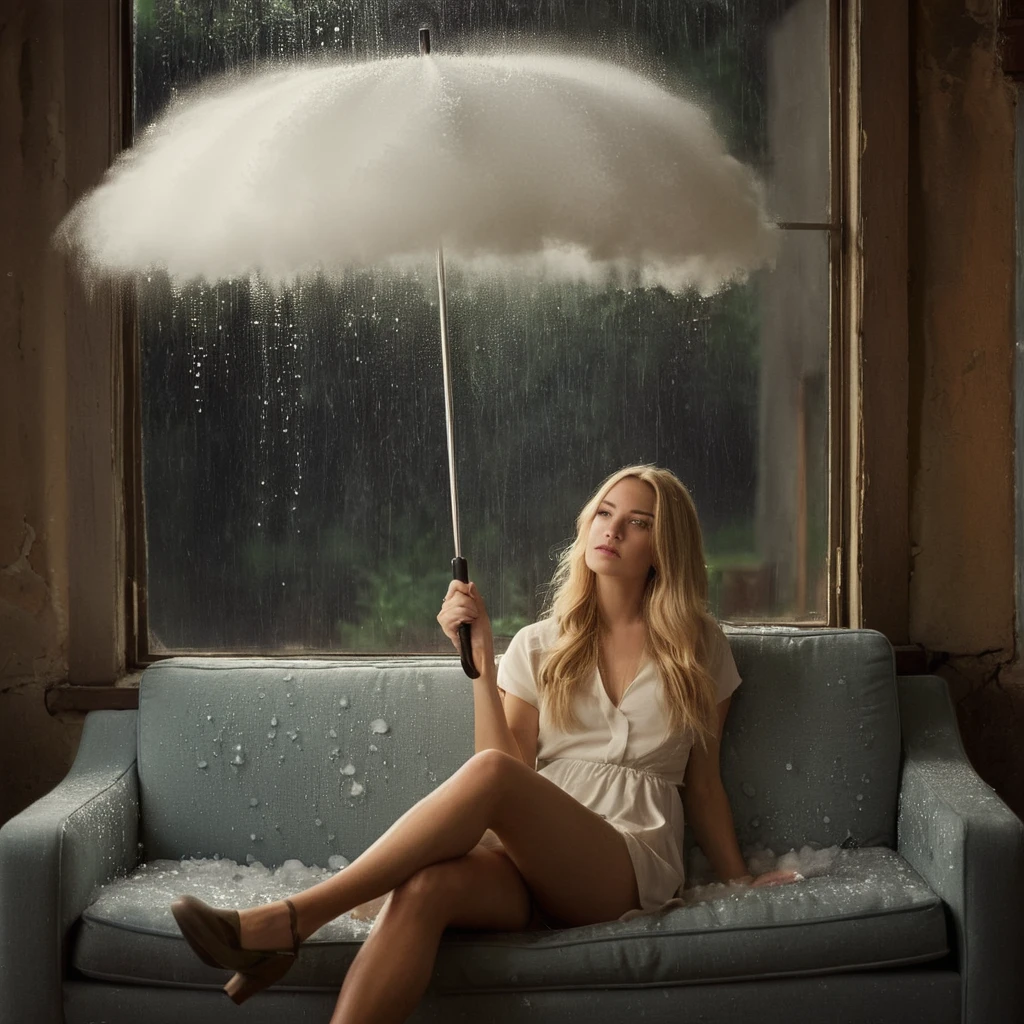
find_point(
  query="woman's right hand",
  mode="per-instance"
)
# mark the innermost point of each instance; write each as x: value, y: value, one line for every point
x: 463, y: 603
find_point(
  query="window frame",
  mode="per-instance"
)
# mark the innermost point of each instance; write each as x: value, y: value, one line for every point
x: 868, y: 583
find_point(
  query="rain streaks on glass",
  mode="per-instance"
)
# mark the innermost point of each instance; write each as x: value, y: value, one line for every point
x: 294, y: 457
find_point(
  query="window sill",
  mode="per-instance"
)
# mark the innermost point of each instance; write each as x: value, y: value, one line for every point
x: 120, y: 696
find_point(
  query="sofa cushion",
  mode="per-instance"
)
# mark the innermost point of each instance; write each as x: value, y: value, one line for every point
x: 231, y: 748
x: 871, y: 910
x: 287, y: 751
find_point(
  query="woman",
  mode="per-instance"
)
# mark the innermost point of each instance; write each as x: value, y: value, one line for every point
x: 582, y: 734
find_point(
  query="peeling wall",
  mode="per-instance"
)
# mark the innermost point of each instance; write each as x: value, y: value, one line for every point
x: 961, y: 435
x: 35, y: 748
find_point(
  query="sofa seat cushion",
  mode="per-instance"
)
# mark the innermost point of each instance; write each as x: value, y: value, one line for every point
x: 871, y: 910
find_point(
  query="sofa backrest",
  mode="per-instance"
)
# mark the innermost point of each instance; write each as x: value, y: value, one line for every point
x: 283, y: 750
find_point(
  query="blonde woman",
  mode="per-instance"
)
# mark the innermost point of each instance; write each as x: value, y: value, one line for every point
x: 568, y: 814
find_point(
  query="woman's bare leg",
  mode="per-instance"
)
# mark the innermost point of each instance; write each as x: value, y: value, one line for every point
x: 393, y: 967
x: 542, y: 828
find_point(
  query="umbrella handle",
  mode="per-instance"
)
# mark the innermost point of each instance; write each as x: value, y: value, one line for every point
x: 460, y: 572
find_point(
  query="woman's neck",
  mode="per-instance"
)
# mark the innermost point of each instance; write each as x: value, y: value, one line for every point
x: 620, y: 604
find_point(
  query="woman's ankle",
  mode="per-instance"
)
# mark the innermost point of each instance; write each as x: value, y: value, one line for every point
x: 267, y: 926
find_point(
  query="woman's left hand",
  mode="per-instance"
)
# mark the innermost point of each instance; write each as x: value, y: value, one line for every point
x: 777, y: 878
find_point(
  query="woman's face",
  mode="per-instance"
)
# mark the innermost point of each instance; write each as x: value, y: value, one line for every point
x: 623, y: 526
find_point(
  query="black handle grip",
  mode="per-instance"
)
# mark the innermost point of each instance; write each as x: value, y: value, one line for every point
x: 460, y: 572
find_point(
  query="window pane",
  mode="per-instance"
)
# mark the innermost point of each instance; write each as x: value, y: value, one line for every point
x: 294, y: 454
x: 761, y: 67
x: 796, y: 105
x: 791, y: 518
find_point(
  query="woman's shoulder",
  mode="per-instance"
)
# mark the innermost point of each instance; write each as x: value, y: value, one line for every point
x: 539, y: 635
x: 713, y: 628
x: 716, y: 639
x: 519, y: 665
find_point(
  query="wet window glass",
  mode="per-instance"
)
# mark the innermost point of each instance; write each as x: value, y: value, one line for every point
x: 295, y: 468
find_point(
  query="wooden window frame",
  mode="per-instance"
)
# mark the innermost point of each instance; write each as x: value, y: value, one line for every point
x: 869, y: 487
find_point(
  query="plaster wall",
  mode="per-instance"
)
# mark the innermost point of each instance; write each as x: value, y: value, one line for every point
x: 961, y: 344
x: 35, y: 748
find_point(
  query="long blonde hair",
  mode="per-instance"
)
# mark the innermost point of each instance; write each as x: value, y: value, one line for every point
x: 674, y: 609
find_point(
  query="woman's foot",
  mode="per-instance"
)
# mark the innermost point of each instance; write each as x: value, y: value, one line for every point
x: 267, y: 927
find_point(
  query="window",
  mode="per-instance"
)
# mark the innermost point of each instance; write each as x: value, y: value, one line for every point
x: 293, y: 452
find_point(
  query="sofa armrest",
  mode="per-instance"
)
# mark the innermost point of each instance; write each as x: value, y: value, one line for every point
x: 957, y: 833
x: 54, y: 855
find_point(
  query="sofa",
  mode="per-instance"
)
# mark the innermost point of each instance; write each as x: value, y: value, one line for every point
x: 919, y: 919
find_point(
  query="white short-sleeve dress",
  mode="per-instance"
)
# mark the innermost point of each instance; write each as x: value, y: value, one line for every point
x: 624, y: 762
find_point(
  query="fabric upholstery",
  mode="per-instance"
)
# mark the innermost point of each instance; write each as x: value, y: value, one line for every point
x: 820, y: 729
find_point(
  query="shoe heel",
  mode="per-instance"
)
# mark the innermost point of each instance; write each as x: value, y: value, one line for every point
x: 254, y: 979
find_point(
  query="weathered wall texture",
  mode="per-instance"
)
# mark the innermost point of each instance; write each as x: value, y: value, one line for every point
x: 962, y: 269
x: 35, y: 749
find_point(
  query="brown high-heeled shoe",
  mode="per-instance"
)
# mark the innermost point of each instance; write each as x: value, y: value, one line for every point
x: 215, y: 937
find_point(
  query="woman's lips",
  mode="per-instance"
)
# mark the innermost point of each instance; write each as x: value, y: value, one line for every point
x: 608, y: 551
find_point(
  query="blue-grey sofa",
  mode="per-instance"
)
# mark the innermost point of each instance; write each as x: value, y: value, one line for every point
x: 824, y: 745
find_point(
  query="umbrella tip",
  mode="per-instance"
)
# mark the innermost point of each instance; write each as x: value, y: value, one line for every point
x: 424, y: 40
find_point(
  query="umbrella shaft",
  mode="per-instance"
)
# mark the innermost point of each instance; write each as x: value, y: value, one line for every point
x: 448, y: 417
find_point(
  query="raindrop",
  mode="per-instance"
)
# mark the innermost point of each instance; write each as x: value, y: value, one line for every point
x: 379, y: 726
x: 202, y: 764
x: 356, y: 789
x: 343, y: 702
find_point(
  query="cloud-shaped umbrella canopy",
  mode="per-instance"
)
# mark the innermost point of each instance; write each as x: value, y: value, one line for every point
x: 537, y: 164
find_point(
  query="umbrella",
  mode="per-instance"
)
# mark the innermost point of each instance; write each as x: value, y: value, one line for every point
x: 542, y: 164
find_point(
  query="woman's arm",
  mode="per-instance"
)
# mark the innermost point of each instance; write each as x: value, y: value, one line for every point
x: 491, y: 731
x: 708, y: 813
x: 706, y: 805
x: 523, y: 721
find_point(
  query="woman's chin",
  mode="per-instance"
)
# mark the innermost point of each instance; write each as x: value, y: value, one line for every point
x: 603, y: 568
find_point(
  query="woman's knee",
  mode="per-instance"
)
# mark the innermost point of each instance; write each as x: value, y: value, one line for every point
x: 492, y: 767
x: 432, y: 885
